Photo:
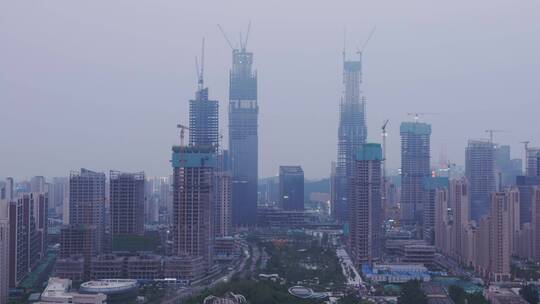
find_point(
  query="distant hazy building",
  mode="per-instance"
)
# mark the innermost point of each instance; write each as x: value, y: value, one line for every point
x: 38, y: 184
x: 480, y: 173
x: 4, y: 251
x: 87, y: 202
x: 442, y: 238
x: 536, y: 223
x: 127, y: 203
x: 352, y: 133
x: 505, y: 166
x: 203, y: 118
x: 243, y: 137
x: 459, y: 199
x: 193, y: 201
x: 415, y: 166
x: 364, y: 204
x: 291, y: 187
x: 526, y: 185
x: 430, y: 186
x: 533, y: 162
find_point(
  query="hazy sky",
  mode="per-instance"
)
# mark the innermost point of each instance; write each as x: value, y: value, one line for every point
x: 102, y: 84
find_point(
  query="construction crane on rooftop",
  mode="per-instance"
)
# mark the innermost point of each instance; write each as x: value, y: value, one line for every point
x: 242, y: 42
x: 418, y: 114
x: 200, y: 72
x: 182, y: 130
x: 491, y: 131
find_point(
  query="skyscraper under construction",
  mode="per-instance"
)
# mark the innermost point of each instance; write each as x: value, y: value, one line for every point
x: 352, y: 133
x: 243, y: 137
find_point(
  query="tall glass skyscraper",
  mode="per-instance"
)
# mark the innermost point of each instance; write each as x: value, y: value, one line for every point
x: 352, y: 133
x: 243, y: 137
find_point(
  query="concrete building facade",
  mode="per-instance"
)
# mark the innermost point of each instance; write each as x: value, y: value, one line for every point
x: 415, y: 167
x: 127, y: 203
x: 193, y: 202
x: 364, y: 206
x: 480, y: 173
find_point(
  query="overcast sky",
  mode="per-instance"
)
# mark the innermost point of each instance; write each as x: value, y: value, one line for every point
x: 102, y: 84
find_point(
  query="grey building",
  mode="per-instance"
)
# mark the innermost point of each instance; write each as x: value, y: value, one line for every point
x: 352, y: 133
x: 480, y: 173
x: 127, y: 203
x: 533, y: 162
x: 415, y: 167
x: 193, y: 201
x: 243, y: 137
x: 430, y: 185
x: 203, y: 119
x: 291, y: 187
x: 364, y: 206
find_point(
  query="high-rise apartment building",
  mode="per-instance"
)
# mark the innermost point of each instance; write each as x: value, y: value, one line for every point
x: 193, y: 201
x: 127, y: 203
x: 352, y: 133
x: 4, y: 251
x: 443, y: 241
x: 24, y: 241
x: 291, y: 187
x: 415, y: 167
x: 499, y: 237
x: 87, y: 202
x: 430, y: 186
x: 364, y: 205
x: 459, y: 200
x: 243, y: 137
x: 536, y: 223
x: 480, y: 173
x: 223, y: 208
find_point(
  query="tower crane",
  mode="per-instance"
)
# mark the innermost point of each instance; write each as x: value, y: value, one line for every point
x: 182, y: 130
x: 384, y: 135
x: 418, y: 114
x: 491, y: 131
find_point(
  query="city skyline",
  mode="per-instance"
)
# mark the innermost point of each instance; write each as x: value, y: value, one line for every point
x: 51, y: 83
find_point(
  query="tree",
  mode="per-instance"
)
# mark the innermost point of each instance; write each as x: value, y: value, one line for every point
x: 411, y: 293
x: 457, y: 294
x: 529, y: 293
x: 476, y: 298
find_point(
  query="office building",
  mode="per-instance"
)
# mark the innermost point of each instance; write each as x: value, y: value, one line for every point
x: 127, y: 203
x: 203, y: 118
x: 291, y: 187
x: 364, y: 206
x: 415, y: 167
x: 243, y: 137
x: 506, y: 167
x: 352, y: 133
x: 480, y: 173
x: 193, y: 201
x: 532, y: 162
